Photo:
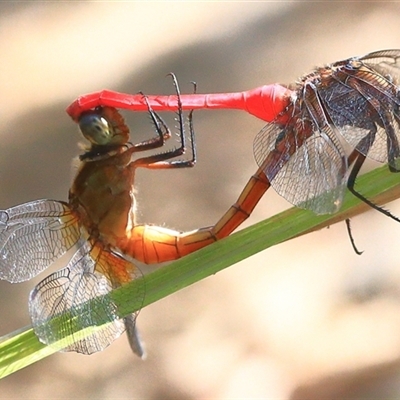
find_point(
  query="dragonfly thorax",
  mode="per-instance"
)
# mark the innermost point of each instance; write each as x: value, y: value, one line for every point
x: 102, y: 190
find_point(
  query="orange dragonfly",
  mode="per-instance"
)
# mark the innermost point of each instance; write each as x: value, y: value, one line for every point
x: 98, y: 222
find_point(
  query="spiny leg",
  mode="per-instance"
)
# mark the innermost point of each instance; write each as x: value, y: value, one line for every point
x: 350, y: 160
x: 162, y: 130
x: 163, y: 160
x: 352, y: 241
x: 385, y: 113
x: 161, y: 127
x: 359, y: 161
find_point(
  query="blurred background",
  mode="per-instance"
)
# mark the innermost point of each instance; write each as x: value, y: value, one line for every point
x: 308, y: 319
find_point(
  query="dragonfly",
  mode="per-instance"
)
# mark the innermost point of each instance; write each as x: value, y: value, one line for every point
x: 320, y: 129
x: 97, y: 230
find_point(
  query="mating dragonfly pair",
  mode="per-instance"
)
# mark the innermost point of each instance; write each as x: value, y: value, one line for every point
x: 301, y: 152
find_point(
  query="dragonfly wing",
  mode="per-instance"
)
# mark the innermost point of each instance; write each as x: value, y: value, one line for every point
x: 386, y: 62
x: 347, y: 110
x: 69, y: 308
x: 363, y: 103
x: 32, y: 236
x: 309, y: 170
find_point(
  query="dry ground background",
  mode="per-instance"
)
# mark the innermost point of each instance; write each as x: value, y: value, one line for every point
x: 304, y: 320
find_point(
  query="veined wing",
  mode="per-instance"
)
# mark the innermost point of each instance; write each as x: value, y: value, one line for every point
x: 364, y: 105
x: 69, y: 308
x: 304, y: 161
x: 386, y: 62
x: 32, y: 236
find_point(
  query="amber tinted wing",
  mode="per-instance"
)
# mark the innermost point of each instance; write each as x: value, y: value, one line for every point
x: 32, y: 236
x: 60, y: 309
x: 304, y: 161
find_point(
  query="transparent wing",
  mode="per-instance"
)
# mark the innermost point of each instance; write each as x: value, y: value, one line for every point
x: 363, y: 103
x: 386, y: 62
x: 60, y: 309
x: 304, y: 164
x: 32, y: 236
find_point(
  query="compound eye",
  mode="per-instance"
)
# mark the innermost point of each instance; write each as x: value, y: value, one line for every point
x: 96, y: 128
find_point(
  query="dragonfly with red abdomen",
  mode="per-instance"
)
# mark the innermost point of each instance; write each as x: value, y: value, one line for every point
x: 354, y: 101
x: 98, y: 223
x: 302, y: 151
x: 265, y: 102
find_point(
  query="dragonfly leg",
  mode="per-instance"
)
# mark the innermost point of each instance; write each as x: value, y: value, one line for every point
x: 351, y: 237
x: 162, y: 129
x: 163, y: 160
x: 359, y: 161
x: 155, y: 244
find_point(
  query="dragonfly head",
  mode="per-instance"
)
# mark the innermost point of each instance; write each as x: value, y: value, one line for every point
x: 104, y: 126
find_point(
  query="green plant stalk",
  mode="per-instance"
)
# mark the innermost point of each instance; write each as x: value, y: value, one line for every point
x: 21, y: 348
